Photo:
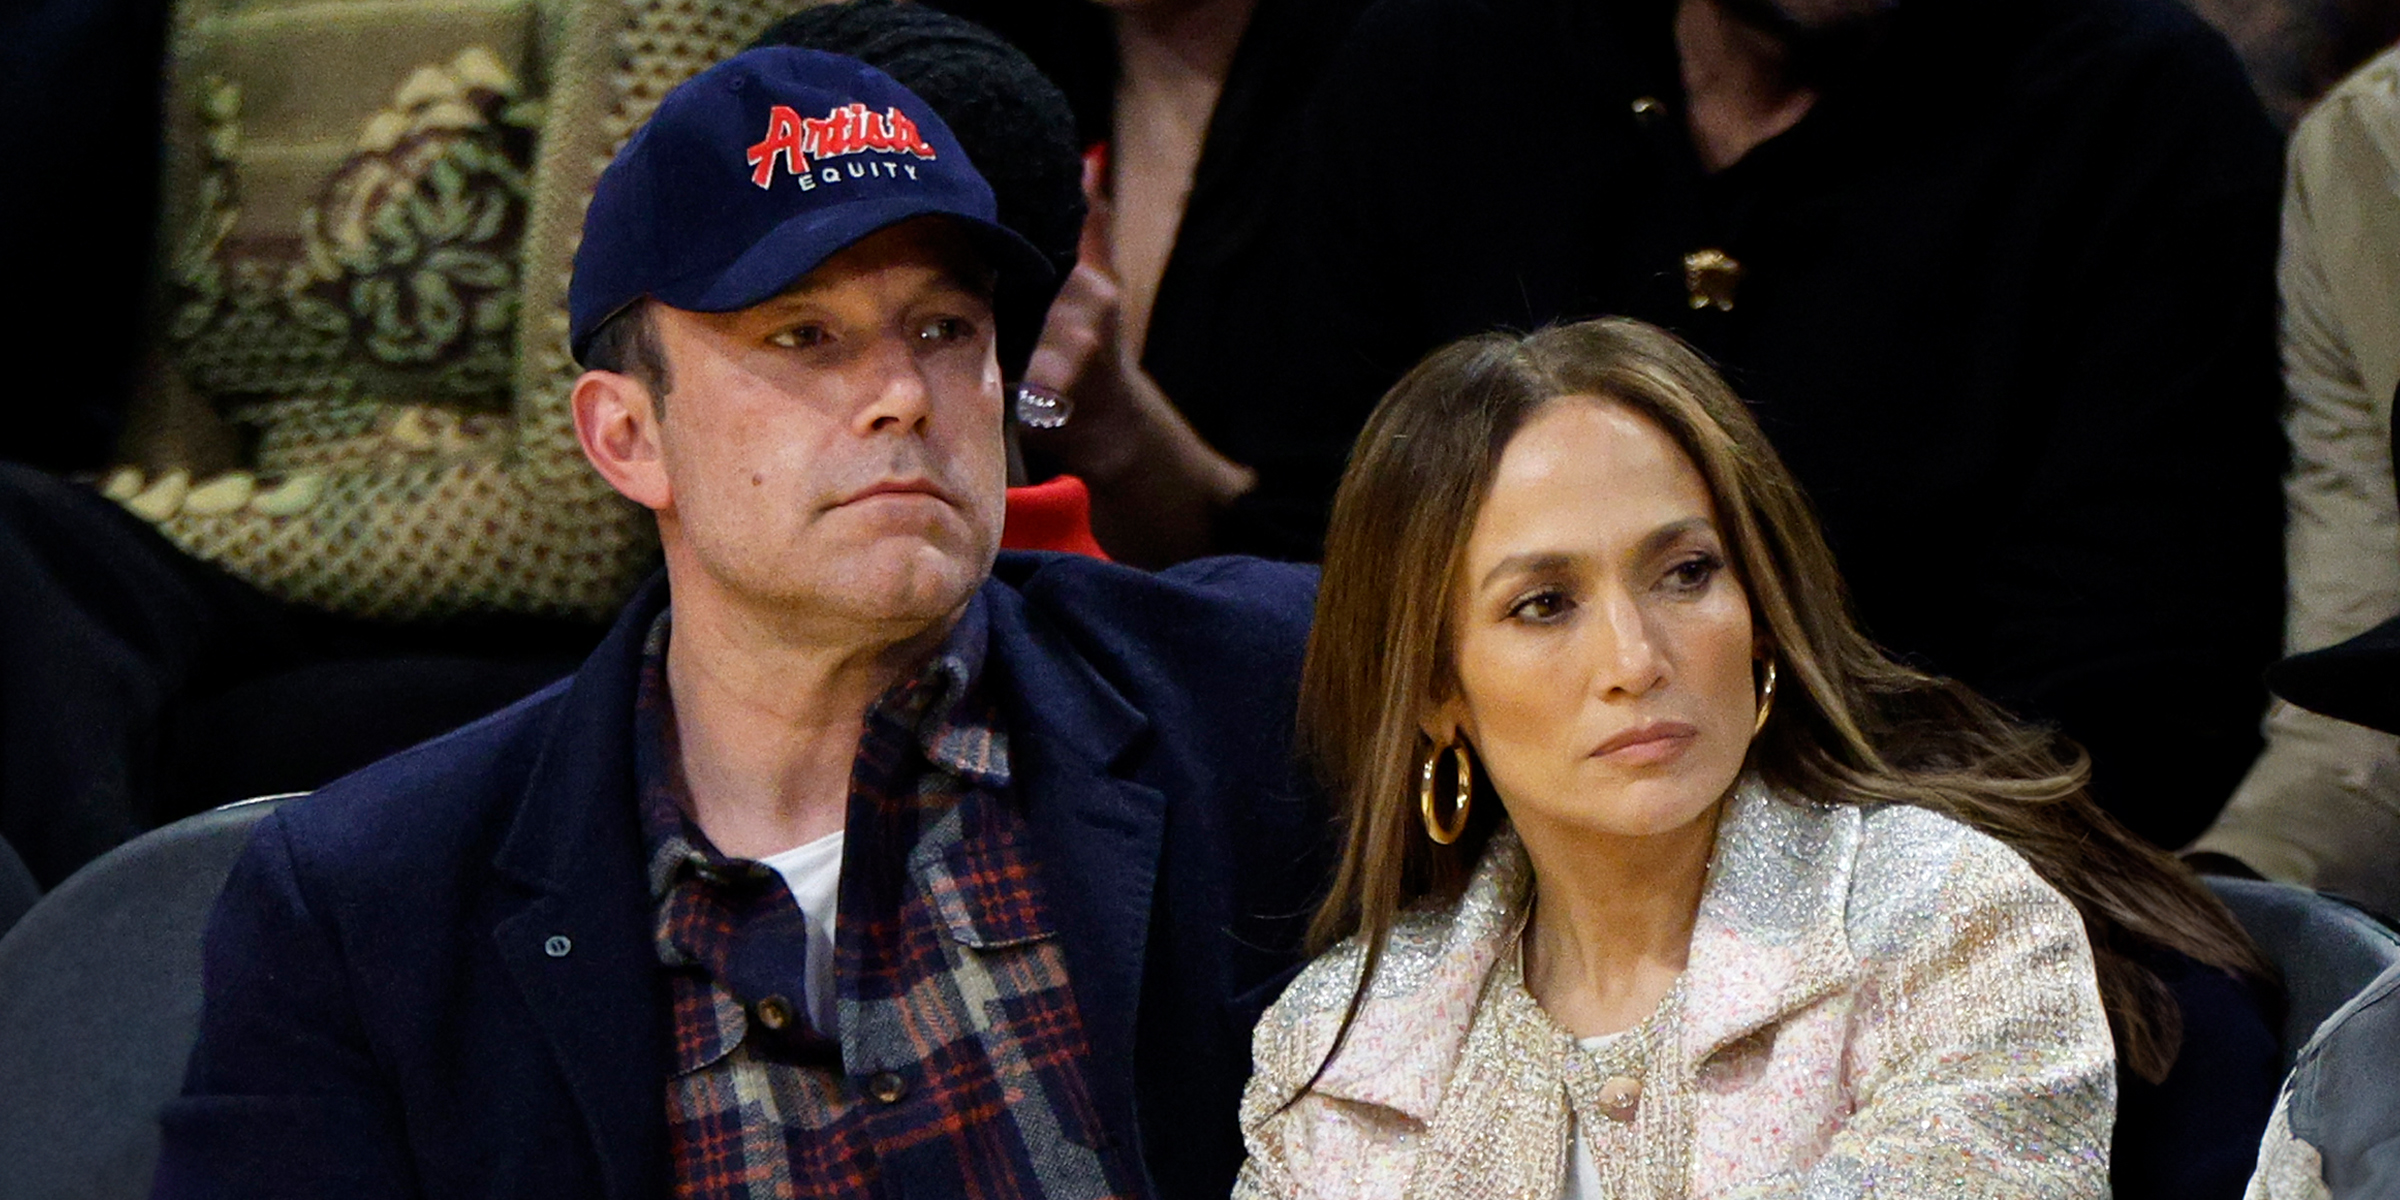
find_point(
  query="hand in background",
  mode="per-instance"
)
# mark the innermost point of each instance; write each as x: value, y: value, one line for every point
x: 1155, y: 484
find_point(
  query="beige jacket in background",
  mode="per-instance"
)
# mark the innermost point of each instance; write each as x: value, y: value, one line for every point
x: 2322, y: 805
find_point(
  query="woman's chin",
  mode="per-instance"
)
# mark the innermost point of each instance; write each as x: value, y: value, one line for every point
x: 1669, y: 803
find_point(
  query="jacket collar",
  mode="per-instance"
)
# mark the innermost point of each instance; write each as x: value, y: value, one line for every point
x: 1770, y: 937
x: 1768, y: 940
x: 1075, y: 748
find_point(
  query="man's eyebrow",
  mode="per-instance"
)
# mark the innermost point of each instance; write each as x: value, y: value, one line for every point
x: 796, y: 296
x: 947, y: 279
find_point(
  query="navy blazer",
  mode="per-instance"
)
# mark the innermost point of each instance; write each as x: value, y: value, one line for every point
x: 436, y: 977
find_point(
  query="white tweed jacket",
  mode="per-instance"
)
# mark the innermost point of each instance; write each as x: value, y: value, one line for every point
x: 1878, y: 1002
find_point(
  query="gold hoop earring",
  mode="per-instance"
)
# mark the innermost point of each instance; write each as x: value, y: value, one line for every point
x: 1441, y: 834
x: 1766, y: 699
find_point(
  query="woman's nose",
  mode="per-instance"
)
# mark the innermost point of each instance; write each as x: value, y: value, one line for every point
x: 1628, y: 661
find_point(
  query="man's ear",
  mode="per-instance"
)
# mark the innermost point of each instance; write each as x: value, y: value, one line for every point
x: 616, y: 419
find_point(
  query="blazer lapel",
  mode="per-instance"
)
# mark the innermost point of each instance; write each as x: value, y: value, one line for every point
x: 1412, y: 1030
x: 1770, y: 938
x: 578, y: 945
x: 1072, y: 744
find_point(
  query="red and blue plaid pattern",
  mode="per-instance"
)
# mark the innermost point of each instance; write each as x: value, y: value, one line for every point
x: 960, y: 1059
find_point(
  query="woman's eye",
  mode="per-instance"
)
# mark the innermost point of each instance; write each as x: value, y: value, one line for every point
x: 1541, y: 607
x: 799, y: 337
x: 1693, y: 574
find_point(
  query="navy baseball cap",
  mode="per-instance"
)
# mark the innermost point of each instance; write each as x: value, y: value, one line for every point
x: 757, y: 170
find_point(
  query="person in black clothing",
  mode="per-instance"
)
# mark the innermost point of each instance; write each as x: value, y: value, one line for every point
x: 1997, y: 276
x: 1183, y: 101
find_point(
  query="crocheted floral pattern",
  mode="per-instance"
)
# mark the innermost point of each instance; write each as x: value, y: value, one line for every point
x: 403, y: 280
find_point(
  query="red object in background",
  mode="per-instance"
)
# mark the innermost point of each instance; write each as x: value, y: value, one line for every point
x: 1056, y: 515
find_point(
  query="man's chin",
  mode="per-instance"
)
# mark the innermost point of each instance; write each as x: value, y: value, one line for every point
x: 910, y: 576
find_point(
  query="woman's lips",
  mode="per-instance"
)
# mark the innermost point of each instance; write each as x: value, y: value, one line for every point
x: 1648, y: 745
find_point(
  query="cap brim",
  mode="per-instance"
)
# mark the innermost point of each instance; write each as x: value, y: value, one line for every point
x: 2356, y: 681
x: 802, y: 244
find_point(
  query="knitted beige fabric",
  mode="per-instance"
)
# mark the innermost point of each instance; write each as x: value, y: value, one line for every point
x: 373, y: 211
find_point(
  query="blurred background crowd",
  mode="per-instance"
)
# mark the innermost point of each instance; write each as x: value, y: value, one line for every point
x: 2078, y: 319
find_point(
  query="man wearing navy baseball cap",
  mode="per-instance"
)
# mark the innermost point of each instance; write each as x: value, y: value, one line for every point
x: 852, y: 863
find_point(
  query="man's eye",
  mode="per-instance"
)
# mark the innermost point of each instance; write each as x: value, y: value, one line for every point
x: 799, y: 337
x: 945, y: 329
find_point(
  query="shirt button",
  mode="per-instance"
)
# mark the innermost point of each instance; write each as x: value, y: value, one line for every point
x: 887, y: 1088
x: 774, y: 1012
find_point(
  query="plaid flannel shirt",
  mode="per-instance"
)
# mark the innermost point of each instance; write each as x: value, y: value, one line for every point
x: 960, y: 1059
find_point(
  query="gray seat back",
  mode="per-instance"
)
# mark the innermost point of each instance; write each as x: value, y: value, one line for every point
x: 2345, y: 1096
x: 2328, y: 951
x: 18, y: 891
x: 99, y: 1004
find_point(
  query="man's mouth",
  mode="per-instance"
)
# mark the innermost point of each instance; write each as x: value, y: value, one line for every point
x: 900, y: 489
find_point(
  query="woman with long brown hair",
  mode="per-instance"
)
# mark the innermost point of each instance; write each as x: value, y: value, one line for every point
x: 1658, y: 877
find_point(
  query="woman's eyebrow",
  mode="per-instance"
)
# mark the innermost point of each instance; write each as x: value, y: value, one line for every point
x: 1535, y: 562
x: 1673, y: 531
x: 1532, y: 562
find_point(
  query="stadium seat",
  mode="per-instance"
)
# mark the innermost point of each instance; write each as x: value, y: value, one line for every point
x: 2328, y: 950
x: 2344, y: 1099
x: 18, y: 891
x: 99, y: 1003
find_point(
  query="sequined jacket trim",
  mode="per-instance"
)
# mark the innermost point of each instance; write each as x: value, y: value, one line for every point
x: 1878, y: 1002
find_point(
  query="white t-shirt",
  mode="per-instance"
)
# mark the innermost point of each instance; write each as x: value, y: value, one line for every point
x: 813, y: 872
x: 1583, y: 1174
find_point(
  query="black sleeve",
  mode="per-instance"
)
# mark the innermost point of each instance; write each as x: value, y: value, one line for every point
x: 1328, y: 322
x: 2138, y: 588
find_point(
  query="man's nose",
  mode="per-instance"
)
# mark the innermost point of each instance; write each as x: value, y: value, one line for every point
x: 899, y: 399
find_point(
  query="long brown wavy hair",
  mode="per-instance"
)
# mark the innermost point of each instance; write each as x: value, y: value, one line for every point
x: 1850, y: 724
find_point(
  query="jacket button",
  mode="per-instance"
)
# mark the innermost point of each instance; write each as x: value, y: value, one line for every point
x: 887, y: 1088
x: 1620, y: 1096
x: 558, y: 946
x: 774, y: 1012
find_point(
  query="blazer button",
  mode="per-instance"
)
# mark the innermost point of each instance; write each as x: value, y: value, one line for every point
x: 774, y: 1012
x: 1620, y: 1096
x: 887, y: 1088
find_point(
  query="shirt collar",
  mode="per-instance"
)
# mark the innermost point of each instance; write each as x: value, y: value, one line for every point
x: 956, y: 728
